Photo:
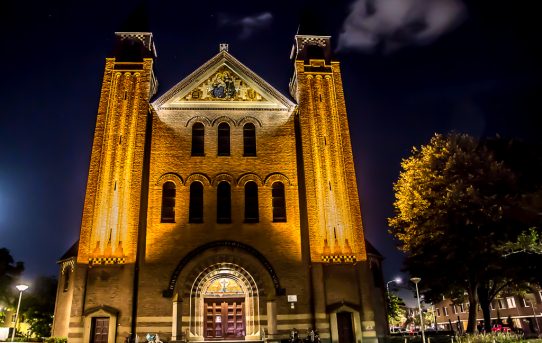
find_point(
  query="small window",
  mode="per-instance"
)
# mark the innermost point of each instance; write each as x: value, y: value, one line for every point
x: 462, y: 308
x: 168, y: 203
x: 492, y: 306
x: 198, y: 139
x: 438, y: 312
x: 540, y: 295
x: 511, y: 302
x: 454, y: 308
x: 195, y: 214
x: 223, y: 139
x: 501, y: 303
x: 67, y: 274
x: 251, y: 203
x: 445, y: 311
x: 223, y: 203
x: 526, y: 303
x: 279, y: 202
x: 249, y: 140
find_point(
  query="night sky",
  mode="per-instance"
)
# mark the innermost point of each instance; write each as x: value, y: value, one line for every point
x: 410, y: 68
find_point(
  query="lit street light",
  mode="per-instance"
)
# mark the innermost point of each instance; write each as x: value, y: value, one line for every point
x: 21, y: 289
x: 416, y: 280
x: 397, y: 280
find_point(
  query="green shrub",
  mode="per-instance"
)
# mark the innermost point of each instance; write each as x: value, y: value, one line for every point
x: 56, y: 340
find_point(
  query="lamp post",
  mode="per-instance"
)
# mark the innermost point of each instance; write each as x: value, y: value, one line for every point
x: 396, y: 280
x: 416, y: 280
x: 534, y: 316
x: 21, y: 289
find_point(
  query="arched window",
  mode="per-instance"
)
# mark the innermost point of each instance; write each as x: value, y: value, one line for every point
x: 196, y: 203
x: 223, y: 203
x: 223, y: 139
x: 168, y: 203
x: 279, y: 202
x: 251, y: 202
x: 198, y: 140
x: 249, y: 140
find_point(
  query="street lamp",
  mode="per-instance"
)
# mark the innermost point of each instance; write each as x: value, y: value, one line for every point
x: 396, y: 280
x: 416, y: 280
x: 21, y: 289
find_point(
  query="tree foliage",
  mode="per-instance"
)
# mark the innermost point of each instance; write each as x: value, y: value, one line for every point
x: 396, y: 310
x: 9, y: 272
x: 458, y: 201
x: 38, y: 305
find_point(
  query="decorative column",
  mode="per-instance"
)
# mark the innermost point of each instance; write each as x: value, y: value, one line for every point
x: 272, y: 317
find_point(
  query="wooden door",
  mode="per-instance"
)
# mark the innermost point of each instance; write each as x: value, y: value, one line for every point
x: 224, y: 319
x: 345, y: 327
x: 100, y: 330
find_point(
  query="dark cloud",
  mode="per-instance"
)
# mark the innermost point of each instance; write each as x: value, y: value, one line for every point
x: 249, y: 25
x: 391, y: 24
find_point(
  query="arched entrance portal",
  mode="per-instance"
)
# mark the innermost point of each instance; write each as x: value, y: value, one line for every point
x: 224, y: 304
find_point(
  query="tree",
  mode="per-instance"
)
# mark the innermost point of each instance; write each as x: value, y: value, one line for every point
x: 457, y: 202
x: 39, y: 304
x: 9, y: 272
x: 396, y: 310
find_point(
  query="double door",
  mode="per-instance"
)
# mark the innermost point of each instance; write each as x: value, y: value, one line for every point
x: 224, y: 318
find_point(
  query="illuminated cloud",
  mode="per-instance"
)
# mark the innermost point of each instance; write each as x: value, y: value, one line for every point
x: 249, y: 25
x: 392, y: 24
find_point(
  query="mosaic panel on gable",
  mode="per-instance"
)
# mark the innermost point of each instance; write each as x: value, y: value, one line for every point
x: 223, y: 85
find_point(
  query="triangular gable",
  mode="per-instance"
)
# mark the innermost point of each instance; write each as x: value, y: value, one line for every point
x: 223, y: 83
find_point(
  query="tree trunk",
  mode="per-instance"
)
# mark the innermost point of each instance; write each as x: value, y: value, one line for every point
x: 483, y: 297
x: 473, y: 304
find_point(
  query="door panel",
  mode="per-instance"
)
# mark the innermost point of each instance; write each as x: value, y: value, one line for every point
x: 345, y: 327
x: 224, y: 318
x: 100, y: 329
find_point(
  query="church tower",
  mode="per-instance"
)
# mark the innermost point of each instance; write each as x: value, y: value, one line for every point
x: 111, y: 212
x: 330, y: 208
x: 104, y: 266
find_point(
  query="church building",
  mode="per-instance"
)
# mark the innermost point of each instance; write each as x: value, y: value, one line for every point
x: 221, y: 209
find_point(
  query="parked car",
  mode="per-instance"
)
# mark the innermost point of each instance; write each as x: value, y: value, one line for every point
x: 500, y: 328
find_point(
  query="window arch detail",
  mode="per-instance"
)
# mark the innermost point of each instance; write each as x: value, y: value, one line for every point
x: 204, y: 179
x: 273, y: 177
x: 223, y: 119
x: 202, y: 119
x: 173, y: 177
x: 223, y: 177
x: 249, y: 177
x: 249, y: 119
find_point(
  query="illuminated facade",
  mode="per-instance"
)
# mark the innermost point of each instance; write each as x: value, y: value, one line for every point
x: 221, y: 209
